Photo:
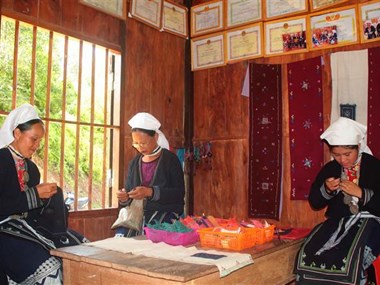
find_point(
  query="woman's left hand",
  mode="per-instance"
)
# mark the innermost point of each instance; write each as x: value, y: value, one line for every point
x: 140, y: 192
x: 350, y: 188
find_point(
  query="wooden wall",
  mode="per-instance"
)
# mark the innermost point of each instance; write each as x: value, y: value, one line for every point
x: 153, y: 80
x: 221, y: 116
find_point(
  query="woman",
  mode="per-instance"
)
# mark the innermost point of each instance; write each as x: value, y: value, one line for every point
x: 24, y: 254
x: 154, y: 175
x: 342, y: 248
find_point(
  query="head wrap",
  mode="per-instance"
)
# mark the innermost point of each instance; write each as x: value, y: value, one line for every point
x: 345, y: 131
x: 18, y: 116
x: 147, y: 122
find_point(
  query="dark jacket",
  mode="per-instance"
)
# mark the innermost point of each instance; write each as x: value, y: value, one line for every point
x: 168, y: 179
x: 369, y: 182
x: 12, y: 199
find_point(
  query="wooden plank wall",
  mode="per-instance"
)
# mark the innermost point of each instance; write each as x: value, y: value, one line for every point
x: 221, y: 116
x: 153, y: 81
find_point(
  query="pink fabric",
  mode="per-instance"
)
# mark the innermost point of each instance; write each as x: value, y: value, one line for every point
x: 265, y: 146
x: 373, y: 120
x: 305, y: 124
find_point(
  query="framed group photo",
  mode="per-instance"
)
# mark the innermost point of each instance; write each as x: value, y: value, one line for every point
x: 285, y: 36
x: 369, y: 21
x: 334, y: 29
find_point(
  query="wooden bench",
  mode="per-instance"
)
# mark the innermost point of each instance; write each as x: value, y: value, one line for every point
x: 273, y: 264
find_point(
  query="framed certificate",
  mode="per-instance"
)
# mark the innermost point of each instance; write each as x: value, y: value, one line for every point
x: 244, y: 43
x: 174, y: 19
x: 147, y: 11
x: 281, y: 8
x: 207, y: 51
x: 287, y: 36
x: 322, y: 4
x: 337, y: 28
x: 369, y: 22
x: 115, y: 8
x: 242, y: 12
x: 207, y: 18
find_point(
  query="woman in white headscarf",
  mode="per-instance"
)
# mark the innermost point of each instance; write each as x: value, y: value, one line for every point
x: 154, y: 175
x: 343, y: 247
x: 24, y: 254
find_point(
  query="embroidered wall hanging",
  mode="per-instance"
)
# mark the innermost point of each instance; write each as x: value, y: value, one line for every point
x: 305, y: 124
x: 373, y: 120
x: 265, y: 141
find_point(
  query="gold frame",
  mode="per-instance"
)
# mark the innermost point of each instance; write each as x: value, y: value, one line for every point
x: 209, y: 39
x: 314, y: 8
x: 288, y: 25
x: 283, y: 14
x: 254, y: 28
x: 331, y: 17
x: 172, y: 5
x: 216, y: 6
x: 156, y: 22
x: 362, y: 21
x: 229, y: 18
x: 97, y: 5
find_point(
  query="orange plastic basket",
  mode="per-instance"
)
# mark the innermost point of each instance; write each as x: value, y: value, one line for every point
x: 264, y: 234
x: 213, y: 237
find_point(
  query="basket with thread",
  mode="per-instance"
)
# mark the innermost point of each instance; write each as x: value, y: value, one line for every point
x: 264, y: 235
x: 231, y: 239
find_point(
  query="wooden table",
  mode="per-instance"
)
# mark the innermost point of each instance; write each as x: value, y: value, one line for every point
x: 273, y: 264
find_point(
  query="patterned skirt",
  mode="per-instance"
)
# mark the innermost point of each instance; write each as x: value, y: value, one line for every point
x: 339, y: 251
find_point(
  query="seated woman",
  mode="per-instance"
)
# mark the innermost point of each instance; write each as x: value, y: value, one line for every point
x: 154, y: 175
x: 342, y: 248
x: 24, y: 252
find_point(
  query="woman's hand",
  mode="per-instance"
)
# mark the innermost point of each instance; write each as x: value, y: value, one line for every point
x: 122, y: 195
x: 141, y: 192
x: 332, y: 183
x: 46, y: 190
x: 350, y: 188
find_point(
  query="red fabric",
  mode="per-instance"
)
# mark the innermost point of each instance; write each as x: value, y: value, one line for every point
x: 373, y: 119
x: 265, y: 146
x: 305, y: 124
x: 296, y: 233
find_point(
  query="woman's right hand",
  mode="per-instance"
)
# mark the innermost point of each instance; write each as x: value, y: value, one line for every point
x: 332, y: 183
x: 122, y: 195
x: 46, y: 190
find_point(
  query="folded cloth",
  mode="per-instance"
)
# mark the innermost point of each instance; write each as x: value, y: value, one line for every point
x: 226, y: 262
x: 296, y: 233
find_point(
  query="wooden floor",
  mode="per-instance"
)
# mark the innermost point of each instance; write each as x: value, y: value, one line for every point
x: 273, y: 264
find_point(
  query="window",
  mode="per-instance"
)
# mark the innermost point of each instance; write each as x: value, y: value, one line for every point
x: 76, y: 87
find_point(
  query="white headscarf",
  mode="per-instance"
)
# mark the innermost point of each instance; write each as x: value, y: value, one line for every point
x: 345, y: 131
x: 148, y: 122
x: 20, y: 115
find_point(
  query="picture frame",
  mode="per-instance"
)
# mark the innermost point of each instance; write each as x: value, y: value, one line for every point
x: 207, y: 18
x: 286, y: 36
x: 369, y: 21
x: 147, y: 11
x: 244, y: 43
x: 316, y: 5
x: 116, y: 8
x: 208, y: 51
x: 242, y: 12
x: 274, y: 9
x: 174, y: 19
x: 333, y: 29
